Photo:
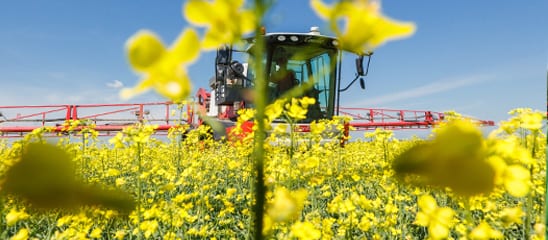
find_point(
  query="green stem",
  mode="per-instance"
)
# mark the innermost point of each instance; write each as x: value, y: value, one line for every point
x: 546, y: 197
x: 179, y: 151
x: 528, y: 216
x: 468, y: 213
x: 139, y: 194
x: 84, y: 156
x: 529, y: 201
x: 3, y: 232
x: 260, y: 105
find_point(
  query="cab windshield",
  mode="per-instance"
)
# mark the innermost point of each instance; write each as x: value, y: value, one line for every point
x: 293, y: 65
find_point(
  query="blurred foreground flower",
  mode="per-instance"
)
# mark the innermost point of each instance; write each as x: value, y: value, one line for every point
x: 225, y: 20
x: 460, y: 158
x: 45, y: 177
x: 365, y: 26
x: 455, y: 158
x: 164, y: 69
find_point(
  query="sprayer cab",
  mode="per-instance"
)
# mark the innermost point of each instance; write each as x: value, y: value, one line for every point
x: 291, y: 59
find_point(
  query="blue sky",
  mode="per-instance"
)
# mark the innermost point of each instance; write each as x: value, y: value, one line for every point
x: 479, y: 58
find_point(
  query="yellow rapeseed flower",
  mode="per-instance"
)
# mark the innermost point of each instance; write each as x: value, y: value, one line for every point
x: 267, y: 225
x: 15, y: 216
x: 120, y: 181
x: 305, y: 231
x: 170, y: 236
x: 164, y: 69
x: 517, y: 180
x: 438, y: 220
x: 274, y: 110
x: 286, y: 205
x: 112, y: 172
x: 297, y: 109
x: 527, y: 118
x: 484, y: 232
x: 226, y: 20
x: 22, y: 234
x: 512, y: 215
x: 96, y: 233
x: 148, y: 227
x: 365, y: 26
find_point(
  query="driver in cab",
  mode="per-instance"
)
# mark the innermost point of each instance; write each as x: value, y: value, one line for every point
x: 283, y: 77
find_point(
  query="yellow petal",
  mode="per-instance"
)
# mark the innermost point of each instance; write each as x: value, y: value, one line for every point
x: 499, y: 166
x: 321, y: 8
x: 485, y: 231
x: 445, y: 215
x: 226, y: 12
x: 186, y: 48
x: 512, y: 215
x: 427, y: 204
x: 176, y: 89
x: 235, y: 3
x: 23, y: 233
x: 364, y: 26
x: 248, y: 22
x: 143, y: 86
x: 214, y: 39
x: 422, y: 219
x: 532, y: 120
x: 388, y: 29
x: 198, y: 12
x: 438, y: 231
x: 144, y: 49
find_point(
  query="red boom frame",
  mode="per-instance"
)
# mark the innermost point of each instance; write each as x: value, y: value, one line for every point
x: 55, y: 116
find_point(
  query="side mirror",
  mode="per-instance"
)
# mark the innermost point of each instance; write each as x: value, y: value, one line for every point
x: 359, y: 65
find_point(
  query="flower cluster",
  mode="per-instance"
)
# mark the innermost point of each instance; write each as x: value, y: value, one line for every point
x: 194, y: 187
